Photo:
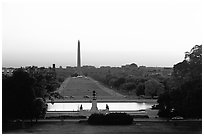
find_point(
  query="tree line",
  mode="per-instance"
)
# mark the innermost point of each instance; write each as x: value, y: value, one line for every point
x: 131, y: 80
x: 24, y: 93
x: 183, y: 96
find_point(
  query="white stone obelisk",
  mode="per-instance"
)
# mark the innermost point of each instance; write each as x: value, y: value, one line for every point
x: 79, y: 72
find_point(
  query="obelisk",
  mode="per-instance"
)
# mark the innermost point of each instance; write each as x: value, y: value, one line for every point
x: 79, y: 60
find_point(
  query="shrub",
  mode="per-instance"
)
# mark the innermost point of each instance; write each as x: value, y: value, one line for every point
x: 110, y: 119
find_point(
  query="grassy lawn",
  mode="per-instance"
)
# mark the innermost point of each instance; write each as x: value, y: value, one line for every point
x: 79, y: 87
x: 144, y: 127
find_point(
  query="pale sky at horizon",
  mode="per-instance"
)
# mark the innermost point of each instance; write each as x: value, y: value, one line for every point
x: 111, y: 32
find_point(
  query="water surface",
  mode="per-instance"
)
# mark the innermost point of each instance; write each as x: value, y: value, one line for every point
x: 113, y: 106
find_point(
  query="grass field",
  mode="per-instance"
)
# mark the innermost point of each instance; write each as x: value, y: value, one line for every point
x: 144, y: 127
x: 80, y: 87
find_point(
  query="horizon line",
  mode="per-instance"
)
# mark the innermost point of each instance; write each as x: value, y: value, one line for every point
x: 84, y: 66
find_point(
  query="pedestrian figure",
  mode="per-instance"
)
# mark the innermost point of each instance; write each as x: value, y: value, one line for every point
x: 107, y: 107
x: 81, y: 108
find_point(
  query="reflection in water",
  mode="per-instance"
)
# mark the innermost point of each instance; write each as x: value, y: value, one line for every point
x: 114, y: 106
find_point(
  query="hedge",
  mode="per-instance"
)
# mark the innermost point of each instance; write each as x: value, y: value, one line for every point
x: 110, y: 119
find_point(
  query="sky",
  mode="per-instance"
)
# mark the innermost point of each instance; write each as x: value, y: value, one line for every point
x: 154, y: 33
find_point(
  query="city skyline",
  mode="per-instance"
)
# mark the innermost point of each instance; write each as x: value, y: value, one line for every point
x: 148, y: 33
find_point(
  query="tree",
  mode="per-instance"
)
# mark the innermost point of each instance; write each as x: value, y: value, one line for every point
x: 18, y: 93
x: 153, y: 88
x: 164, y: 104
x: 111, y: 81
x: 74, y: 75
x: 191, y: 67
x: 139, y: 80
x: 108, y: 77
x: 133, y: 65
x: 140, y: 89
x: 186, y: 96
x: 40, y: 84
x: 129, y: 86
x: 169, y: 84
x: 187, y: 99
x: 119, y: 82
x: 40, y: 108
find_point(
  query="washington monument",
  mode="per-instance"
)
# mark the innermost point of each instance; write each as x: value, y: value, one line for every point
x: 79, y: 72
